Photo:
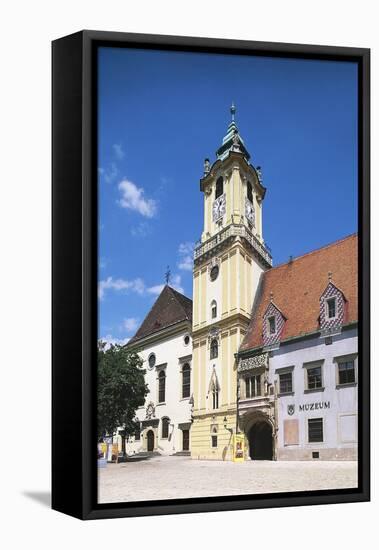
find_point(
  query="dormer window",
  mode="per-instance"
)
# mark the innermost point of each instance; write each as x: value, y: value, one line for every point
x: 219, y: 187
x: 331, y: 308
x: 272, y: 325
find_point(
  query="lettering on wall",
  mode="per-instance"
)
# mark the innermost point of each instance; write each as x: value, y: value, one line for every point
x: 314, y: 406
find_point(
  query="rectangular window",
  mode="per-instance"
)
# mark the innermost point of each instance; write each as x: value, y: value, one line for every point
x: 331, y: 308
x: 253, y: 386
x: 315, y: 430
x: 271, y: 325
x: 346, y: 372
x: 137, y: 435
x: 314, y: 378
x: 285, y: 382
x: 214, y: 440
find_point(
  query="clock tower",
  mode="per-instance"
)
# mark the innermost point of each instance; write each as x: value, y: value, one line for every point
x: 228, y: 262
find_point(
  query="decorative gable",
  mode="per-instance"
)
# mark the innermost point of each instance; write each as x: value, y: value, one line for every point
x: 273, y: 323
x: 332, y: 310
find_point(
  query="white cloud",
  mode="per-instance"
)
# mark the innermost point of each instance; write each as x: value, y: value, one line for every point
x: 136, y: 285
x: 186, y: 256
x: 132, y: 197
x: 109, y: 174
x: 118, y: 151
x: 175, y: 282
x: 130, y: 324
x: 157, y: 289
x: 141, y: 230
x: 109, y: 339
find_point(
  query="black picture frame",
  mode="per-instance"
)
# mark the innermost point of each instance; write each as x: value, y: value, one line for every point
x: 74, y: 273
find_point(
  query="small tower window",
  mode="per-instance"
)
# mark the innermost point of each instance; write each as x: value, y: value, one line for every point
x: 249, y: 191
x: 213, y: 309
x: 214, y: 437
x: 219, y: 187
x: 214, y: 349
x: 272, y: 325
x: 215, y: 397
x: 331, y: 308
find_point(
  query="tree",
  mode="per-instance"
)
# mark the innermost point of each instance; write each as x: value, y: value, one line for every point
x: 121, y: 389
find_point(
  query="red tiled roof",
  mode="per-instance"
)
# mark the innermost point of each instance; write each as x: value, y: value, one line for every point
x: 296, y: 288
x: 170, y: 308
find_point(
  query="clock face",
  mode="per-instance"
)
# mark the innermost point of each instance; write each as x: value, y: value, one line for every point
x: 249, y: 211
x: 219, y: 208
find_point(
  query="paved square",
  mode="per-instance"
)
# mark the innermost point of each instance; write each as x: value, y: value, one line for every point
x: 166, y: 477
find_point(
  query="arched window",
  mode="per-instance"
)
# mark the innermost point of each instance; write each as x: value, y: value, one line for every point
x: 249, y: 191
x: 161, y: 386
x: 214, y: 436
x: 165, y: 427
x: 213, y: 309
x: 186, y: 380
x: 219, y: 187
x: 214, y: 349
x: 215, y: 397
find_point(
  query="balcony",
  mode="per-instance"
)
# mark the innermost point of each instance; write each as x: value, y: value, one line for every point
x: 230, y: 232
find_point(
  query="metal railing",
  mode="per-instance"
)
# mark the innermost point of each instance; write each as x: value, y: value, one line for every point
x: 233, y: 231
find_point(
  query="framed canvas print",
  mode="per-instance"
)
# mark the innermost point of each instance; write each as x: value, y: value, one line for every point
x: 210, y: 275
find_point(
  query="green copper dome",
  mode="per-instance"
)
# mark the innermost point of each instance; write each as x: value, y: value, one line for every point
x: 232, y: 141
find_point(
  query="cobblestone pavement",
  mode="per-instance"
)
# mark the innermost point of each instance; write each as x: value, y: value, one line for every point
x: 181, y: 477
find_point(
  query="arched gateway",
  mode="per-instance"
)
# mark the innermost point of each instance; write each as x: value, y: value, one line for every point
x: 261, y: 444
x: 150, y: 440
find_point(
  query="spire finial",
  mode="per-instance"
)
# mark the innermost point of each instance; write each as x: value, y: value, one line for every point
x: 330, y: 276
x: 271, y: 296
x: 232, y: 110
x: 168, y: 275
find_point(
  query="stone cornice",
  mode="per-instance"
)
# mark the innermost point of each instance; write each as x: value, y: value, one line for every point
x: 230, y: 322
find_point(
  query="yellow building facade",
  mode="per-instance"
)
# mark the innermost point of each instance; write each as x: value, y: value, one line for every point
x: 228, y: 262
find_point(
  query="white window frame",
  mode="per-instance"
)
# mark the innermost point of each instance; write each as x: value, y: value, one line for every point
x: 327, y: 300
x: 316, y: 443
x: 269, y: 327
x: 312, y: 365
x: 353, y: 357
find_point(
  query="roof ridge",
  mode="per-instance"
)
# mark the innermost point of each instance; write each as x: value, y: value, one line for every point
x: 169, y: 308
x: 333, y: 243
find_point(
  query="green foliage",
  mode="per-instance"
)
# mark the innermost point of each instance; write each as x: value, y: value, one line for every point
x: 121, y: 389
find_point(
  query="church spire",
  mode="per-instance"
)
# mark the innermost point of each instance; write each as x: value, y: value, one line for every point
x: 232, y: 141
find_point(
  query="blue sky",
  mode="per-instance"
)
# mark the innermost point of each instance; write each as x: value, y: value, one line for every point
x: 162, y: 113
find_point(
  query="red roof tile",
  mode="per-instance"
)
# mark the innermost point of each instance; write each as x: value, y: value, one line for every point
x: 296, y: 288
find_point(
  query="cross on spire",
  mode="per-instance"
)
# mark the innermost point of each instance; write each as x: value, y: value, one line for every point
x: 168, y: 275
x: 233, y: 110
